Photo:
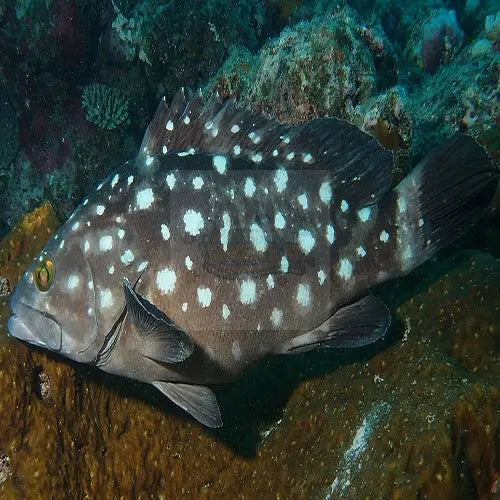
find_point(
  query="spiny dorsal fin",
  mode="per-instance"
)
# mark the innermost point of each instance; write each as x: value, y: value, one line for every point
x: 351, y: 158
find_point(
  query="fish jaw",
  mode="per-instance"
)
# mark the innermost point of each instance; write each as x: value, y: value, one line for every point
x: 44, y: 331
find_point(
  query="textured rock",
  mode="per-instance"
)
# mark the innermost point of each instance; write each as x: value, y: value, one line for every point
x: 419, y: 415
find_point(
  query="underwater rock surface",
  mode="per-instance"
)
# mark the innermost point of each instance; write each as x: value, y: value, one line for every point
x: 419, y: 416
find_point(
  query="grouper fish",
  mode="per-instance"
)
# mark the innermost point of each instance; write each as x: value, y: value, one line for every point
x: 231, y: 237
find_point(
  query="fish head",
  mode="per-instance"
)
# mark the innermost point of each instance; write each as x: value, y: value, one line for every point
x: 53, y: 305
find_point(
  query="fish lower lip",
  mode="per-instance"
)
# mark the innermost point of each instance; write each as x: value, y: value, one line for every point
x: 20, y: 331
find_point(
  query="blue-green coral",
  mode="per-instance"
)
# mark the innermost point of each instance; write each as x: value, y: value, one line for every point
x: 106, y: 107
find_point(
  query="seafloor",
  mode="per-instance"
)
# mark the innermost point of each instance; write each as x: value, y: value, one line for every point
x: 415, y: 416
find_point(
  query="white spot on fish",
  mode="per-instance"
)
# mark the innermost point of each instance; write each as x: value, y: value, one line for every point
x: 127, y: 257
x: 236, y: 350
x: 384, y: 236
x: 284, y: 264
x: 255, y: 138
x: 220, y: 164
x: 307, y: 158
x: 86, y: 246
x: 330, y: 233
x: 325, y: 193
x: 420, y: 222
x: 75, y: 226
x: 235, y: 128
x: 105, y: 298
x: 224, y: 232
x: 225, y: 311
x: 364, y: 214
x: 169, y: 125
x: 142, y: 266
x: 270, y: 281
x: 111, y: 269
x: 257, y: 158
x: 189, y: 263
x: 306, y: 240
x: 144, y: 198
x: 149, y: 160
x: 114, y: 180
x: 165, y: 280
x: 345, y: 269
x: 130, y: 179
x: 184, y: 306
x: 204, y: 296
x: 249, y: 187
x: 344, y: 206
x: 286, y: 139
x: 281, y: 179
x: 248, y: 292
x: 198, y: 182
x: 61, y: 245
x: 164, y: 149
x: 73, y: 281
x: 258, y: 238
x: 279, y: 221
x: 100, y: 186
x: 99, y: 210
x: 303, y: 200
x: 304, y: 294
x: 121, y: 233
x: 170, y: 180
x: 275, y: 152
x: 105, y: 243
x: 276, y: 317
x: 90, y: 285
x: 165, y: 232
x: 361, y: 251
x: 194, y: 222
x: 290, y: 156
x: 85, y: 201
x: 321, y: 276
x: 187, y: 120
x: 237, y: 149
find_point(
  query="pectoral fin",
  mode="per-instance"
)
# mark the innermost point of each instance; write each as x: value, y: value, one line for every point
x: 162, y: 340
x: 354, y: 325
x: 197, y: 400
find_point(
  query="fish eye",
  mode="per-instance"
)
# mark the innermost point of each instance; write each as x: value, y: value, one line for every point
x: 43, y: 274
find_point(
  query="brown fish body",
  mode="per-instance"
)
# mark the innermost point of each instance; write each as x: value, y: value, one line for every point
x: 231, y: 237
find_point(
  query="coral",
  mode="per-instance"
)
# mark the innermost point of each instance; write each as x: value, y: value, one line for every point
x: 107, y: 107
x: 440, y: 41
x: 492, y: 28
x: 418, y: 415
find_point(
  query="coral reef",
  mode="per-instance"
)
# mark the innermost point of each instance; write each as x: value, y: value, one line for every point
x: 4, y: 287
x: 106, y: 107
x: 419, y: 415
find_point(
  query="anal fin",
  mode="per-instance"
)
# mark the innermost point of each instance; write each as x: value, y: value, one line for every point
x: 355, y: 325
x: 197, y: 400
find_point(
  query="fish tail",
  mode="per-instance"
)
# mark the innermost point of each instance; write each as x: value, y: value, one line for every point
x: 442, y: 198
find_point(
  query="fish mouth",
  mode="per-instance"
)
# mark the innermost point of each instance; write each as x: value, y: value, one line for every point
x: 43, y: 331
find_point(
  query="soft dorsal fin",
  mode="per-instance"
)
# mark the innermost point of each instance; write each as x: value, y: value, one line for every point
x: 162, y: 340
x: 350, y: 157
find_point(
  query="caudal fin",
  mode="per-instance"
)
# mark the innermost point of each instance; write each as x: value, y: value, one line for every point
x: 442, y: 198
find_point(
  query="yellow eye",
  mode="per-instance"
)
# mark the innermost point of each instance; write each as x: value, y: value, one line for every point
x: 43, y: 274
